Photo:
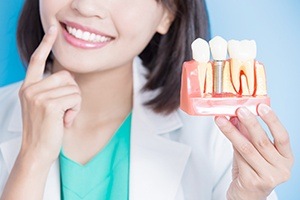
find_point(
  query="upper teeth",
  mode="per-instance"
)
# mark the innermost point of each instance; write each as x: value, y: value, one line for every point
x: 218, y: 47
x: 87, y: 36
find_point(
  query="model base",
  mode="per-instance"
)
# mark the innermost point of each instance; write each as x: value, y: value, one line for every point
x: 221, y: 106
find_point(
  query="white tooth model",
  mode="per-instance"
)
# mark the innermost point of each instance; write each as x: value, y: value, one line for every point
x: 242, y: 54
x: 218, y: 47
x: 201, y: 55
x: 221, y: 69
x: 221, y: 86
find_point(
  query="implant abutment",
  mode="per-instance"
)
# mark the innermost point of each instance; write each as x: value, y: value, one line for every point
x: 218, y: 71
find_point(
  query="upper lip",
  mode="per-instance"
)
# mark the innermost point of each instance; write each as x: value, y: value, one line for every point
x: 85, y: 28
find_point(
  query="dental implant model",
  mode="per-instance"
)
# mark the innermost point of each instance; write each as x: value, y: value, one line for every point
x: 221, y: 86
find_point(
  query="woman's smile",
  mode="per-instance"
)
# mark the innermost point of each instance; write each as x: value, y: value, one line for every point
x: 84, y: 37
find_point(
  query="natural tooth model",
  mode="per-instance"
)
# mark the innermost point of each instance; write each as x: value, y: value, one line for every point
x: 201, y: 55
x: 242, y: 54
x: 221, y: 86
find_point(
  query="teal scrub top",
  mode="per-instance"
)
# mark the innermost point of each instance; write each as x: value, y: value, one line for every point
x: 105, y: 176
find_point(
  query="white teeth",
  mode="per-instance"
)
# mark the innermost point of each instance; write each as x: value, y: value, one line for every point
x: 200, y: 50
x: 242, y: 54
x: 242, y: 50
x: 87, y: 36
x: 92, y: 37
x: 79, y: 34
x: 218, y: 47
x: 243, y: 75
x: 201, y: 54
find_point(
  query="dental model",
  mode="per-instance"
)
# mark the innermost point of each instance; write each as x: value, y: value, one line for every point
x: 221, y: 86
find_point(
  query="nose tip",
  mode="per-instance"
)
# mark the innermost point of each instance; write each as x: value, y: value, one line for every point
x: 90, y: 8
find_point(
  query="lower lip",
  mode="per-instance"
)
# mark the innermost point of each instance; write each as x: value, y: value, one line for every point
x: 81, y: 43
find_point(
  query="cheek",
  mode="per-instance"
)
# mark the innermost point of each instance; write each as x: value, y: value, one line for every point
x: 139, y: 21
x: 48, y: 11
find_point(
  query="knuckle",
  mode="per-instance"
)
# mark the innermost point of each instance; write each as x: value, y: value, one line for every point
x: 270, y: 182
x: 64, y: 77
x: 78, y: 97
x: 253, y: 123
x: 228, y: 128
x: 285, y: 175
x: 39, y: 99
x: 254, y: 183
x: 21, y: 92
x: 283, y: 140
x: 26, y: 93
x: 246, y: 148
x: 264, y: 143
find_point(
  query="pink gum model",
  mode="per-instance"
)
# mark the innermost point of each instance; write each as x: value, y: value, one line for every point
x: 193, y: 104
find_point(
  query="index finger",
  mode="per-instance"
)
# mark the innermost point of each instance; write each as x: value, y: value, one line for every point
x: 38, y: 59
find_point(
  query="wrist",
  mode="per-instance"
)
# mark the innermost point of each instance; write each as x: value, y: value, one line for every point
x: 33, y: 161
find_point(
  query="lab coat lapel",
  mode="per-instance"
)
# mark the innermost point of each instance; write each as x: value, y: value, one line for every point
x: 10, y: 150
x: 157, y: 163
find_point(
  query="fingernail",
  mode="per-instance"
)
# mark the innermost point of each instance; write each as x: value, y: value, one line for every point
x: 243, y: 112
x: 263, y: 109
x: 220, y: 121
x: 52, y: 29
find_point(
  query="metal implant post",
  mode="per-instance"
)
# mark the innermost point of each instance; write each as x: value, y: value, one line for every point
x: 218, y: 69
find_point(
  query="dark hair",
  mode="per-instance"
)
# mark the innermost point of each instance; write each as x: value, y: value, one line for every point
x: 163, y: 56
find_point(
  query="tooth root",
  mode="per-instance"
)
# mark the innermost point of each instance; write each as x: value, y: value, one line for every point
x: 261, y: 83
x: 227, y: 84
x: 245, y: 89
x: 248, y: 68
x: 235, y: 69
x: 209, y: 79
x: 202, y: 74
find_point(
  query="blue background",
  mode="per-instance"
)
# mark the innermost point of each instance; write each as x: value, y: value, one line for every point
x: 275, y: 25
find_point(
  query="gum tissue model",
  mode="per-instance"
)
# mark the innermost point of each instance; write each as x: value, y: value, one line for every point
x: 221, y: 86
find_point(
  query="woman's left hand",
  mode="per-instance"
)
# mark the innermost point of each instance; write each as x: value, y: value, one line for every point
x: 259, y: 164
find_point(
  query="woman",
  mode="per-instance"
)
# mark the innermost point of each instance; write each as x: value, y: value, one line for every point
x: 114, y: 63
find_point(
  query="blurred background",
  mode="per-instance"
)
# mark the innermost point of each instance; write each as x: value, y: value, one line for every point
x: 274, y: 25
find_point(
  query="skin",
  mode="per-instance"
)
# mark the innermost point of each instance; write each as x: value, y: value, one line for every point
x: 73, y: 108
x: 259, y: 164
x: 60, y: 109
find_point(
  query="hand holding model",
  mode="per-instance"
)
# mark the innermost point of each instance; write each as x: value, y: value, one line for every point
x: 259, y: 164
x: 237, y: 87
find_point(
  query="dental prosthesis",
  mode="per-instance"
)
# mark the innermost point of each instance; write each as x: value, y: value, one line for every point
x: 221, y: 86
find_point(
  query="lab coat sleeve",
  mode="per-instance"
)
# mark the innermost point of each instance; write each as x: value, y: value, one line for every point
x: 223, y: 154
x: 3, y: 174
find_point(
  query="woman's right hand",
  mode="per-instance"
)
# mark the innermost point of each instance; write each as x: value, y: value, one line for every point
x: 48, y: 105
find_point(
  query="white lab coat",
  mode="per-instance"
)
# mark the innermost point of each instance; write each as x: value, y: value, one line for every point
x: 174, y: 157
